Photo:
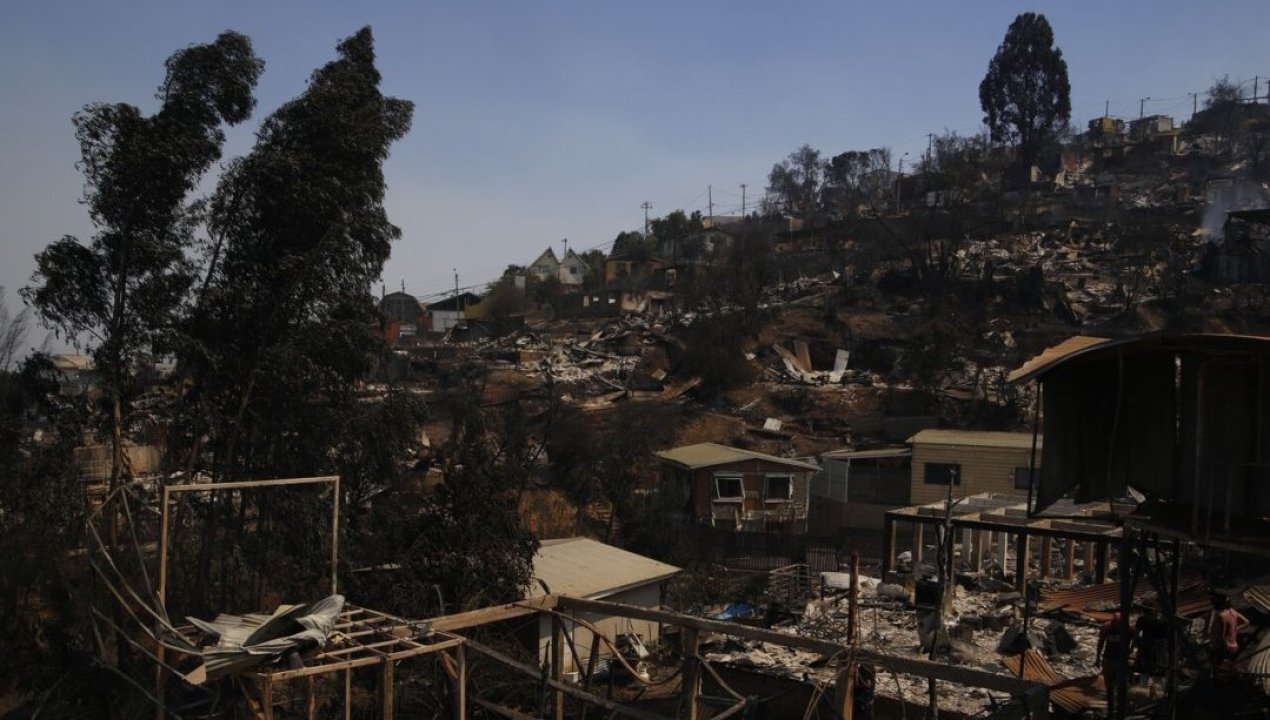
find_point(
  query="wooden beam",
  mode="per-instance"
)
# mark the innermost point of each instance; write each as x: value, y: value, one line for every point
x: 569, y: 688
x: 386, y: 692
x: 557, y: 665
x: 503, y: 710
x: 952, y: 673
x: 691, y: 683
x: 485, y: 616
x: 460, y: 684
x: 1047, y: 547
x: 844, y: 692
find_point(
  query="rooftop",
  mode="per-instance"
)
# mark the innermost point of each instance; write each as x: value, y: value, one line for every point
x: 586, y: 568
x: 976, y: 438
x: 703, y: 455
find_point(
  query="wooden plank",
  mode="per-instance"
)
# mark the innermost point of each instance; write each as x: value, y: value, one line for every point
x: 557, y: 665
x: 951, y: 673
x: 460, y: 684
x: 386, y: 692
x: 522, y: 668
x: 245, y: 484
x: 503, y: 710
x: 691, y: 684
x: 485, y: 616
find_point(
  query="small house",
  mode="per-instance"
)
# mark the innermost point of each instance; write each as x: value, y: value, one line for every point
x: 585, y: 568
x: 855, y: 488
x: 740, y: 489
x: 973, y: 461
x: 452, y: 311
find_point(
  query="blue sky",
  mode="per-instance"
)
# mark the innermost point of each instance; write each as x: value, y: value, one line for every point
x: 538, y: 121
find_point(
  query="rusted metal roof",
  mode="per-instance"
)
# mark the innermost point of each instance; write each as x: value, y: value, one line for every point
x: 1081, y: 345
x: 1049, y: 356
x: 1074, y: 698
x: 1099, y: 602
x: 703, y: 455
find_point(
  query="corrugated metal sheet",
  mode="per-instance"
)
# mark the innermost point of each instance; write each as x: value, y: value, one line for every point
x: 1099, y: 602
x: 1051, y: 355
x: 1255, y: 661
x: 1259, y: 595
x: 977, y: 438
x: 703, y: 455
x: 587, y: 568
x: 867, y: 454
x: 1074, y: 699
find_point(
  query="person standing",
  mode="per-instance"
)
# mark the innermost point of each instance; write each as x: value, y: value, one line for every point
x: 1223, y: 631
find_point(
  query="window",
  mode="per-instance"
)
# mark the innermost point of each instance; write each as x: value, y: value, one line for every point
x: 1024, y: 479
x: 727, y: 488
x: 939, y: 473
x: 573, y: 269
x: 778, y: 488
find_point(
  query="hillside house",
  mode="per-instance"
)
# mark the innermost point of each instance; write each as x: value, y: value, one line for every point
x: 855, y: 488
x: 589, y: 569
x: 570, y: 270
x: 450, y: 312
x: 975, y: 461
x: 740, y: 489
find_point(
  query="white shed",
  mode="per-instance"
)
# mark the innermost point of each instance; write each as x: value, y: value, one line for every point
x: 585, y: 568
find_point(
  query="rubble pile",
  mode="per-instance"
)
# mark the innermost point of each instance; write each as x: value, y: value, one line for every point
x: 983, y: 627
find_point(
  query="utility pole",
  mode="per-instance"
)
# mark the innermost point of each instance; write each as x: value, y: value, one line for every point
x: 742, y: 199
x: 710, y: 200
x: 1141, y: 105
x: 930, y: 140
x: 456, y: 289
x: 1194, y: 104
x: 1106, y: 108
x: 1256, y: 82
x: 647, y: 206
x: 566, y: 248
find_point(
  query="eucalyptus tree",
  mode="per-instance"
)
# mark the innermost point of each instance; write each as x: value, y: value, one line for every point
x: 120, y: 294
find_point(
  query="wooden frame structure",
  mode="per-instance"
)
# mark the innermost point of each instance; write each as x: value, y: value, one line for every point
x: 369, y: 641
x: 989, y: 520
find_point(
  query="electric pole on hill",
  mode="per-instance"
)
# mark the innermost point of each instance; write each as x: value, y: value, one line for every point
x: 648, y: 206
x: 710, y: 202
x: 742, y: 199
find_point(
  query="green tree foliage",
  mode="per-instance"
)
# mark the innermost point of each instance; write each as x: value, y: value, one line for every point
x: 464, y: 540
x: 794, y: 184
x: 1025, y: 96
x: 857, y: 178
x: 41, y: 516
x: 675, y: 227
x: 122, y: 293
x: 281, y: 330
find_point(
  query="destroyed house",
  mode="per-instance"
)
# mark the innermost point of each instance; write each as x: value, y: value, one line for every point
x: 452, y: 311
x: 973, y: 461
x: 739, y: 489
x: 1181, y: 419
x: 588, y: 569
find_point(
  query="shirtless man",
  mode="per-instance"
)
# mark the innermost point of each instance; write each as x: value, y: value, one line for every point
x: 1224, y: 631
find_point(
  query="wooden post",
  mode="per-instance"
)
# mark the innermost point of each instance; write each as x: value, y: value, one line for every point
x: 266, y: 697
x: 385, y: 691
x: 853, y: 625
x: 982, y: 538
x: 844, y: 692
x: 918, y: 528
x: 460, y: 684
x: 1069, y: 564
x: 348, y: 694
x: 1087, y: 547
x: 888, y: 551
x: 310, y: 700
x: 1101, y: 562
x: 691, y: 675
x: 557, y: 664
x: 1022, y: 555
x: 1047, y: 548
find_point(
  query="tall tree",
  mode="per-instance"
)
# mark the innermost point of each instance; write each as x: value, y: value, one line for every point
x: 1025, y: 96
x: 794, y: 184
x: 122, y: 292
x: 280, y: 334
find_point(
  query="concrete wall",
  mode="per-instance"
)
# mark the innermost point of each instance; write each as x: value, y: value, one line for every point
x: 983, y: 469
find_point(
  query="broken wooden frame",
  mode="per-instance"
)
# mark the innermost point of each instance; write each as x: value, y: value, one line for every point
x: 988, y: 518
